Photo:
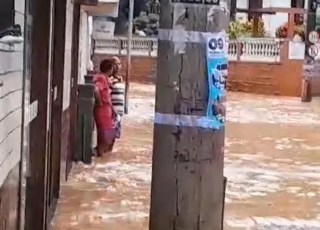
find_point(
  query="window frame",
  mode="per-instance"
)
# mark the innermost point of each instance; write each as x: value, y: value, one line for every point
x: 7, y: 14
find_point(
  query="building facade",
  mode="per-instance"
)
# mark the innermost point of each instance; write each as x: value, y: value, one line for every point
x: 44, y: 53
x: 272, y: 22
x: 11, y: 111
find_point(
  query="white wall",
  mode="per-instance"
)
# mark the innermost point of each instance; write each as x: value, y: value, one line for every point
x: 103, y: 28
x: 84, y: 46
x: 11, y: 75
x: 68, y: 55
x: 272, y: 22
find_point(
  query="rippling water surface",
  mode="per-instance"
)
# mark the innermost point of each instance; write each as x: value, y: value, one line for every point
x: 272, y: 161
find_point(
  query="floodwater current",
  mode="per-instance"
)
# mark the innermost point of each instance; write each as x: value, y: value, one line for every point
x: 272, y: 161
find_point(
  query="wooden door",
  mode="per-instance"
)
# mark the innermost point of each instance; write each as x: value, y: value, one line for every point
x: 49, y: 166
x: 47, y: 64
x: 74, y: 85
x: 55, y: 106
x: 36, y: 188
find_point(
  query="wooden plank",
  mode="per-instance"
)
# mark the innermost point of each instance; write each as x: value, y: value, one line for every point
x: 36, y: 182
x: 74, y: 85
x: 56, y: 106
x: 187, y: 175
x: 86, y: 101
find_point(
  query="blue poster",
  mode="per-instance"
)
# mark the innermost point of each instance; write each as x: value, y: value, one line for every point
x: 217, y: 72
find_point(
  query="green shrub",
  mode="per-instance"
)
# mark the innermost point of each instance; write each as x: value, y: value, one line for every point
x: 147, y: 23
x: 238, y: 29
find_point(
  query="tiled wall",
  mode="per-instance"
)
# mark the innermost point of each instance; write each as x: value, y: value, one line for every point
x: 11, y: 76
x: 10, y: 108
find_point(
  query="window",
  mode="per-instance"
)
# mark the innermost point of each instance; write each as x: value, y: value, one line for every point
x: 233, y: 9
x: 254, y: 4
x: 6, y: 14
x: 298, y: 3
x: 10, y: 32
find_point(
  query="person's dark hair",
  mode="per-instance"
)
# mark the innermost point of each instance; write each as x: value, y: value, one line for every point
x: 106, y: 65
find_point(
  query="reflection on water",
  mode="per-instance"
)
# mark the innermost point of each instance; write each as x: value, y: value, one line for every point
x: 272, y: 161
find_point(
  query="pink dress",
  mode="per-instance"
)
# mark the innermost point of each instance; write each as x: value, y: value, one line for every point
x: 103, y: 111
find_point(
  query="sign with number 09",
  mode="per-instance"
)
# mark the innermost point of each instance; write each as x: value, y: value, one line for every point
x: 215, y: 44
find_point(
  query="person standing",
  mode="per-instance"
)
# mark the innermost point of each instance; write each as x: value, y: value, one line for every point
x: 103, y: 111
x: 117, y: 87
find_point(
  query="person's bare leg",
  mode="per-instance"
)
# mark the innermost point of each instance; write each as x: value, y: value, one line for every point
x: 100, y: 150
x: 111, y: 145
x: 100, y: 144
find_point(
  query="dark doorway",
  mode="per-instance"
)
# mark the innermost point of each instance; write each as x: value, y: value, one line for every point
x: 298, y: 3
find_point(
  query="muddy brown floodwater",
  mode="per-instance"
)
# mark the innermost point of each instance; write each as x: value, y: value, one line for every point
x: 272, y: 161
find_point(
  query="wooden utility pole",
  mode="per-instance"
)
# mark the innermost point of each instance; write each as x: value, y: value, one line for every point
x: 188, y: 158
x: 309, y: 62
x: 129, y: 48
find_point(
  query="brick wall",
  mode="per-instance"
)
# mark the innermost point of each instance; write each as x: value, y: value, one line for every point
x: 265, y: 78
x: 11, y: 75
x: 282, y: 78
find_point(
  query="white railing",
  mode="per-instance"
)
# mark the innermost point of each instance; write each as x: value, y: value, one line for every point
x: 244, y: 49
x: 118, y: 45
x: 255, y: 49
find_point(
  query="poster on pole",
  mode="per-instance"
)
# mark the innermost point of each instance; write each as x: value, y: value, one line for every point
x: 217, y: 72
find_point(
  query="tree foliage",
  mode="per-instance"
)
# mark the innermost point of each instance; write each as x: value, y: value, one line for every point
x: 282, y: 31
x: 148, y: 22
x: 239, y: 29
x: 153, y: 7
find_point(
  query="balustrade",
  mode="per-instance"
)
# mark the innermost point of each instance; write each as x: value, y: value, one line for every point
x: 244, y: 49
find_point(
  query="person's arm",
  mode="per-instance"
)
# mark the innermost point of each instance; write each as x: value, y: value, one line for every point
x: 110, y: 82
x: 97, y: 95
x: 120, y: 79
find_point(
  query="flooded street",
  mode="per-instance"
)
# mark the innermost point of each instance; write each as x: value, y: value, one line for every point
x: 272, y: 161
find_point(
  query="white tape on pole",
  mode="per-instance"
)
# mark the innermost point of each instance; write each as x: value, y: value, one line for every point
x: 187, y: 121
x: 182, y: 36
